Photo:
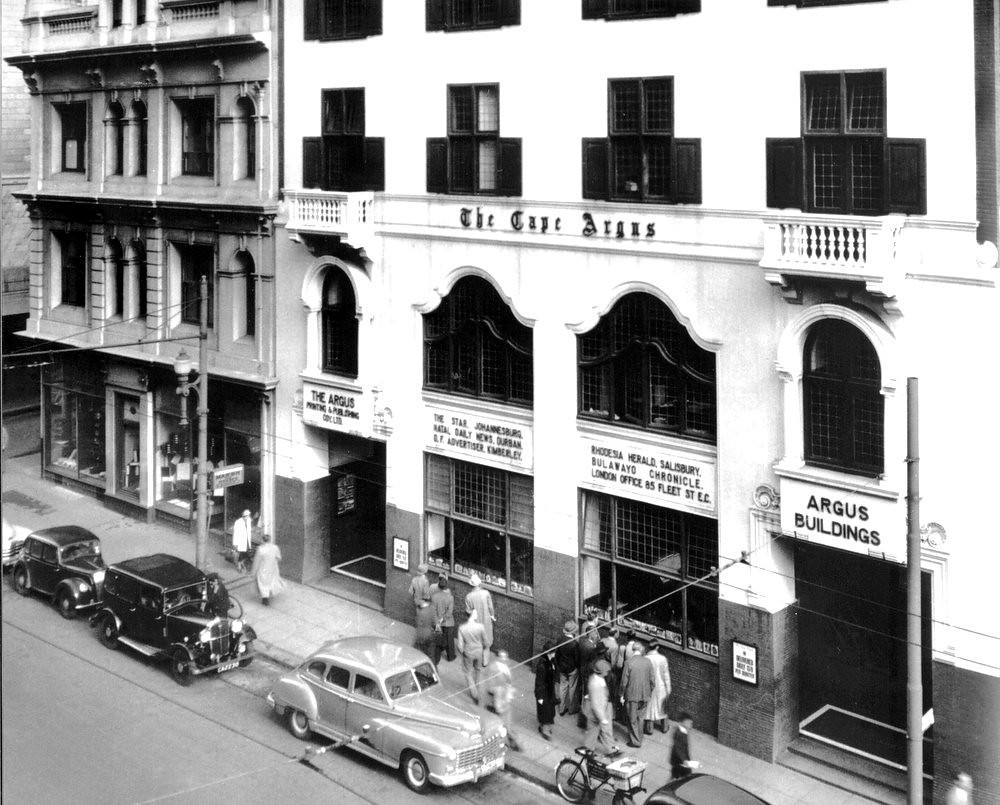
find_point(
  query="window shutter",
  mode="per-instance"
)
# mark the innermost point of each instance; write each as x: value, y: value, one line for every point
x: 781, y: 2
x: 784, y: 172
x: 510, y: 166
x: 312, y: 162
x: 685, y: 6
x: 434, y: 10
x: 595, y: 9
x: 374, y: 178
x: 437, y: 164
x: 510, y: 12
x: 907, y: 171
x: 373, y: 17
x: 687, y: 171
x: 310, y: 15
x: 595, y: 167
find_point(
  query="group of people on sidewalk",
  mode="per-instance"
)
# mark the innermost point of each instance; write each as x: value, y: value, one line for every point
x: 265, y: 565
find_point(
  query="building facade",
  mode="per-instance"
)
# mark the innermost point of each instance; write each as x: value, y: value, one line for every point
x: 628, y: 330
x: 154, y: 165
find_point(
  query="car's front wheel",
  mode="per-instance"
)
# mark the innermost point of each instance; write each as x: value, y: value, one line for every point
x: 180, y: 667
x: 415, y: 772
x: 20, y: 581
x: 108, y: 632
x: 298, y: 723
x: 65, y: 604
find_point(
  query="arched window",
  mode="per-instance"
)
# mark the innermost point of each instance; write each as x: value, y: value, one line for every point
x: 340, y: 324
x: 843, y: 407
x: 244, y: 295
x: 640, y: 367
x: 115, y: 132
x: 117, y: 266
x: 245, y: 134
x: 473, y: 345
x: 139, y: 265
x: 141, y: 136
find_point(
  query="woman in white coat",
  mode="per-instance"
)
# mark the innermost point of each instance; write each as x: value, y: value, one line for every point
x: 656, y: 712
x: 265, y: 570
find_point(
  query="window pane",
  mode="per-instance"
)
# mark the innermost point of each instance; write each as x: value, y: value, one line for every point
x: 465, y: 372
x: 595, y: 391
x: 699, y: 407
x: 647, y: 534
x: 480, y: 492
x: 354, y: 111
x: 487, y: 11
x: 338, y: 677
x: 659, y: 106
x: 595, y: 586
x: 597, y: 523
x: 825, y: 421
x: 828, y: 176
x: 438, y: 483
x: 866, y: 175
x: 658, y: 167
x: 488, y: 165
x: 438, y: 547
x: 461, y: 110
x: 624, y: 106
x: 629, y: 393
x: 481, y: 550
x: 866, y: 102
x: 437, y: 370
x: 460, y: 154
x: 494, y: 366
x: 522, y: 504
x: 703, y: 621
x: 354, y: 16
x: 626, y: 165
x: 867, y: 430
x: 461, y: 12
x: 823, y: 99
x: 522, y: 564
x: 488, y: 109
x: 367, y: 687
x: 665, y: 391
x: 521, y: 377
x: 653, y: 604
x: 702, y: 546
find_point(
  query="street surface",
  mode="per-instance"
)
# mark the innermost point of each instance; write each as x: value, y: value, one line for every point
x: 85, y: 724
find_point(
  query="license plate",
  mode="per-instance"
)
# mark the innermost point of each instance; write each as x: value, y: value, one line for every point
x: 229, y: 666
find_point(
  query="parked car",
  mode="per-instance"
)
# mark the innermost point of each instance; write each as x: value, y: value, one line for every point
x: 13, y: 538
x: 702, y: 789
x: 63, y: 562
x: 386, y: 701
x: 158, y: 605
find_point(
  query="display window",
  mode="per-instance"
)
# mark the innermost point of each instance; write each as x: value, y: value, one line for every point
x: 74, y: 427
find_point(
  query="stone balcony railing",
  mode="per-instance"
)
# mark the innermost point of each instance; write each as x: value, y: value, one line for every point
x: 350, y: 216
x: 851, y: 248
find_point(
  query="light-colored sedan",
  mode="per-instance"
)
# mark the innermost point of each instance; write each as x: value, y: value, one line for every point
x: 385, y: 700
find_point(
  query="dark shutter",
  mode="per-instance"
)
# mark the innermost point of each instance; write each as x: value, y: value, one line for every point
x: 595, y: 167
x: 685, y: 6
x: 907, y: 171
x: 312, y: 162
x: 434, y: 10
x: 373, y: 18
x: 310, y: 15
x: 510, y: 12
x: 784, y: 172
x: 781, y: 2
x: 595, y: 9
x: 687, y: 171
x: 437, y: 164
x: 374, y: 178
x: 510, y: 166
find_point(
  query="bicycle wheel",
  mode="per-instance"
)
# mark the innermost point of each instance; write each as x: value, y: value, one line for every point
x: 571, y: 780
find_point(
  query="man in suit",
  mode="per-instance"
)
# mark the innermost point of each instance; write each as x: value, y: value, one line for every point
x: 638, y: 681
x: 443, y: 603
x: 472, y: 646
x: 680, y: 754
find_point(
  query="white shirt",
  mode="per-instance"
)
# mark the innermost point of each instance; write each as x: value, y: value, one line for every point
x: 241, y: 533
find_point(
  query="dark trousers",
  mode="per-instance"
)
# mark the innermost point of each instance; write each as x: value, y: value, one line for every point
x: 635, y: 713
x: 431, y: 647
x: 448, y: 641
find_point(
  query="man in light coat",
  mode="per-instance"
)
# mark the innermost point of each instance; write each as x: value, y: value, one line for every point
x: 599, y: 706
x: 638, y: 682
x: 481, y: 601
x: 242, y: 533
x: 471, y: 644
x: 420, y: 587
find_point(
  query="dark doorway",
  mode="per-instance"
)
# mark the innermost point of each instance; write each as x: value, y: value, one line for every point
x: 852, y: 651
x: 357, y: 508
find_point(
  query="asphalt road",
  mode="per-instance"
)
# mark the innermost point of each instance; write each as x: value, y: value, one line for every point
x: 85, y: 724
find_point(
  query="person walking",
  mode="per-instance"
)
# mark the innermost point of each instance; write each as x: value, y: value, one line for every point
x: 599, y: 705
x: 546, y: 678
x: 568, y: 665
x: 217, y: 602
x: 481, y: 601
x: 656, y: 713
x: 623, y: 652
x: 242, y: 540
x: 420, y: 587
x: 265, y: 570
x: 500, y: 688
x: 681, y: 764
x: 425, y: 637
x: 471, y: 644
x: 636, y: 690
x: 443, y: 603
x: 588, y: 654
x: 960, y: 792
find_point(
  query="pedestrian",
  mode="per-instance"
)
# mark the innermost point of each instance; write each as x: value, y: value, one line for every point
x: 681, y: 764
x: 443, y: 603
x: 546, y: 678
x: 217, y: 602
x: 420, y: 587
x: 600, y: 711
x: 500, y: 688
x: 471, y: 644
x: 960, y: 792
x: 609, y: 652
x: 568, y: 665
x: 636, y: 690
x: 656, y: 713
x: 588, y: 654
x: 623, y: 652
x: 242, y: 540
x: 481, y: 601
x: 425, y: 637
x: 265, y: 570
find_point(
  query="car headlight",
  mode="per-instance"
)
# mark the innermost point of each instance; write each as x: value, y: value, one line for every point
x: 204, y: 635
x: 237, y: 626
x: 99, y: 577
x: 503, y: 732
x: 84, y: 587
x: 451, y: 754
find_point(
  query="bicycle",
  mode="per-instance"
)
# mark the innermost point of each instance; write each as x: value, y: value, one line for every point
x: 581, y: 777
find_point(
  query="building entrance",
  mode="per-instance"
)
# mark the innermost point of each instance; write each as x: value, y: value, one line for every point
x: 357, y: 509
x: 852, y: 652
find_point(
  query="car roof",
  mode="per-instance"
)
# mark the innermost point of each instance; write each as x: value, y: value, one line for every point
x: 61, y: 535
x: 707, y: 789
x: 381, y: 655
x: 162, y: 569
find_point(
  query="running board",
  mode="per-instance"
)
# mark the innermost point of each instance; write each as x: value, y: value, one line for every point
x: 142, y: 648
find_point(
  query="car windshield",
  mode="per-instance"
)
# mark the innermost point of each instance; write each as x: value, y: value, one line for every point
x: 78, y: 550
x: 193, y: 593
x: 413, y: 681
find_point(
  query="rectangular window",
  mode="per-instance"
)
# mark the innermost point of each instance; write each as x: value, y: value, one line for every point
x: 196, y: 261
x: 468, y: 15
x: 637, y: 9
x: 342, y: 19
x: 140, y: 12
x: 480, y: 520
x: 197, y: 136
x: 116, y: 13
x: 73, y: 268
x: 74, y: 431
x: 343, y: 158
x: 73, y: 121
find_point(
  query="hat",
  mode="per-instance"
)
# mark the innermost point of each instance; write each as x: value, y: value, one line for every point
x: 422, y: 567
x: 569, y: 628
x: 246, y: 512
x: 443, y: 580
x: 601, y: 667
x: 475, y: 581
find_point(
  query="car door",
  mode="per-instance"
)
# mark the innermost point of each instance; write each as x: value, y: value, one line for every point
x: 44, y: 567
x: 329, y: 705
x: 366, y: 706
x: 335, y: 688
x: 148, y: 619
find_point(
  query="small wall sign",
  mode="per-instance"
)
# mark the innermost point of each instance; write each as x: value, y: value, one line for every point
x: 400, y: 553
x: 745, y: 662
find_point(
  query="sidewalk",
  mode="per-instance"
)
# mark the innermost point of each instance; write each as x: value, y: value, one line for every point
x: 303, y: 617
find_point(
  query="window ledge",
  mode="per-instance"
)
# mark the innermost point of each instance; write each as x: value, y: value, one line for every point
x: 874, y: 487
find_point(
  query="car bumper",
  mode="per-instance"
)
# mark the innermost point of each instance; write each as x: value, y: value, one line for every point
x: 229, y: 664
x: 448, y: 779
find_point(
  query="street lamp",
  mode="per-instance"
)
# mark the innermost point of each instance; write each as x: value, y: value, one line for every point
x: 182, y: 368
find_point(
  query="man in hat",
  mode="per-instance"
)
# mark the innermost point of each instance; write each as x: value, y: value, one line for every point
x: 217, y: 602
x: 472, y: 646
x: 420, y: 587
x: 242, y: 533
x: 568, y: 666
x: 481, y: 601
x: 443, y: 603
x: 599, y: 706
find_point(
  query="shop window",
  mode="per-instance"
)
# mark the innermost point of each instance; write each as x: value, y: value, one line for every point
x: 640, y: 159
x: 117, y: 272
x: 197, y: 136
x: 637, y: 9
x: 73, y: 136
x: 468, y: 15
x: 114, y: 124
x: 74, y: 431
x: 343, y: 158
x: 480, y: 519
x: 842, y: 399
x: 72, y: 268
x: 196, y: 261
x: 648, y: 565
x: 639, y: 367
x: 474, y: 346
x: 844, y: 163
x: 342, y: 19
x: 339, y: 320
x: 474, y: 159
x: 140, y: 125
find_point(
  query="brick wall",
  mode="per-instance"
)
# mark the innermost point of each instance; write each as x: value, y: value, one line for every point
x: 695, y: 690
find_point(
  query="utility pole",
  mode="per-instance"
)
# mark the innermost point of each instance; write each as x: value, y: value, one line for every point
x: 201, y: 535
x: 914, y: 681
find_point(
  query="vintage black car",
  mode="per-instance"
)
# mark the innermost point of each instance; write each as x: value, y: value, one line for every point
x: 158, y: 605
x: 63, y: 562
